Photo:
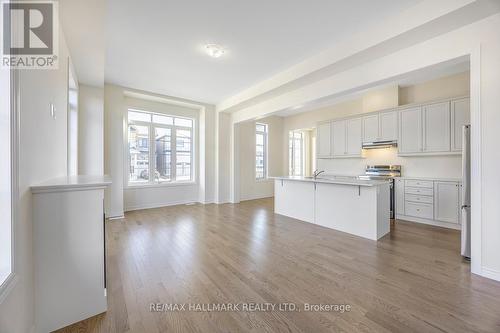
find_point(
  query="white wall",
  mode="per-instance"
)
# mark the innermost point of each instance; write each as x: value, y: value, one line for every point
x: 42, y: 156
x: 250, y: 188
x: 120, y: 197
x: 90, y: 130
x: 387, y: 97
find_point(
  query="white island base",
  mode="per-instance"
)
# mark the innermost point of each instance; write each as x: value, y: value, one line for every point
x: 357, y: 207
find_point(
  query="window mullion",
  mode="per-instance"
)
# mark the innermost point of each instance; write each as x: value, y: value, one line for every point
x: 173, y: 154
x: 152, y: 166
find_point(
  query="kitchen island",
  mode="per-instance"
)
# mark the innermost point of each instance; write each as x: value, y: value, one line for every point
x: 348, y: 204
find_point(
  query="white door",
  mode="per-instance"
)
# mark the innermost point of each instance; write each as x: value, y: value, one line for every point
x: 388, y: 126
x: 436, y: 127
x: 400, y: 196
x: 446, y: 201
x: 370, y: 128
x: 324, y: 140
x: 410, y: 131
x: 354, y: 133
x: 339, y: 138
x: 460, y: 115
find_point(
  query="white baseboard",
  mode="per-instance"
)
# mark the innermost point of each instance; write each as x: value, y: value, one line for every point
x: 490, y: 273
x: 159, y: 205
x: 256, y: 197
x: 429, y: 222
x: 116, y: 217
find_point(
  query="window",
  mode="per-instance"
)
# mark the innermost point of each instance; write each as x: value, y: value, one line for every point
x: 160, y: 148
x: 260, y: 151
x: 6, y: 194
x: 296, y: 153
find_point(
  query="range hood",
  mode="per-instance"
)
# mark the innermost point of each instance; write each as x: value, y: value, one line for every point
x: 380, y: 144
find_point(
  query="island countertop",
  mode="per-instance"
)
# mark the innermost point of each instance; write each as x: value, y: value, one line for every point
x: 341, y: 180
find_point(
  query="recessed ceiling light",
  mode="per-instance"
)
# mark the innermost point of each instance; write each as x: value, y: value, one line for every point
x: 214, y: 50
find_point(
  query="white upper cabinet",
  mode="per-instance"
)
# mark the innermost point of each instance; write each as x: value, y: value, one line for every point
x: 460, y: 116
x: 428, y: 129
x: 339, y: 138
x: 446, y: 201
x: 324, y: 140
x: 354, y: 134
x: 410, y: 130
x: 371, y: 128
x: 388, y: 126
x: 436, y: 121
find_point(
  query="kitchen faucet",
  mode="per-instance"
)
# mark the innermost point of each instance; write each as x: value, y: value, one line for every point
x: 316, y: 173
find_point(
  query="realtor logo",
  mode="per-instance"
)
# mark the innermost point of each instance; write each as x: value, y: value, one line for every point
x: 30, y: 34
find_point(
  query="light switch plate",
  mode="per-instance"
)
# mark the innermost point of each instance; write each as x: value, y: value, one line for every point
x: 52, y: 111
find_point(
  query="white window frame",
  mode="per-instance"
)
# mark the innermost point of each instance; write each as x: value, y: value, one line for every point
x: 291, y: 158
x: 264, y: 134
x: 152, y: 182
x: 8, y: 284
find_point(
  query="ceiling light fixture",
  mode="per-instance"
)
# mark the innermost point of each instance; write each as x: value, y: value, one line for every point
x: 214, y: 50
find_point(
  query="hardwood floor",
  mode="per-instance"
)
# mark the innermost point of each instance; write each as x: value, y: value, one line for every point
x: 413, y: 280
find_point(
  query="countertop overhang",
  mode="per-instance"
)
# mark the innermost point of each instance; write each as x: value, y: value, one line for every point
x: 341, y: 180
x: 72, y: 183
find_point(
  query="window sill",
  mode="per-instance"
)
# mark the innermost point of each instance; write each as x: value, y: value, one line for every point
x: 263, y: 180
x: 7, y: 286
x: 165, y: 184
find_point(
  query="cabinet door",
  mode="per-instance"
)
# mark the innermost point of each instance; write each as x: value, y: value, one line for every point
x: 388, y: 125
x: 446, y: 201
x: 354, y: 133
x: 400, y: 196
x: 339, y: 138
x: 370, y: 128
x: 324, y: 140
x: 410, y: 131
x: 436, y: 127
x: 460, y: 116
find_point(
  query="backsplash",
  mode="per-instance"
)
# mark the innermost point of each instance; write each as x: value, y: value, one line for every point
x: 445, y: 166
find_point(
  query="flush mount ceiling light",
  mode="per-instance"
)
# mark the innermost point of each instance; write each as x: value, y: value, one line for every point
x: 214, y: 50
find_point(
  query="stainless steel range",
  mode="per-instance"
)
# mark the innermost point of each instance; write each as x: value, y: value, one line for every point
x: 384, y: 172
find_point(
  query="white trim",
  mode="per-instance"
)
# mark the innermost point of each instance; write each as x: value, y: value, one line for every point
x: 132, y: 186
x: 116, y: 217
x: 11, y: 281
x: 490, y: 273
x: 256, y: 197
x: 159, y: 205
x: 7, y: 286
x: 476, y: 160
x: 435, y: 223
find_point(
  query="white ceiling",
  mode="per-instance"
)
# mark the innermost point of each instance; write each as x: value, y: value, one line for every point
x: 157, y: 45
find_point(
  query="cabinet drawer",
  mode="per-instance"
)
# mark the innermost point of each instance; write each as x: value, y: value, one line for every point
x: 421, y: 210
x: 419, y: 191
x: 420, y: 183
x: 419, y: 198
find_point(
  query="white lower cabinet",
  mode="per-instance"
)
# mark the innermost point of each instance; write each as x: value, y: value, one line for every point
x: 294, y: 199
x: 400, y: 196
x: 446, y: 201
x: 428, y: 201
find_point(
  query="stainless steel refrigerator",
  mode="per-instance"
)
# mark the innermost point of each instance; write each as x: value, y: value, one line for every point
x: 465, y: 205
